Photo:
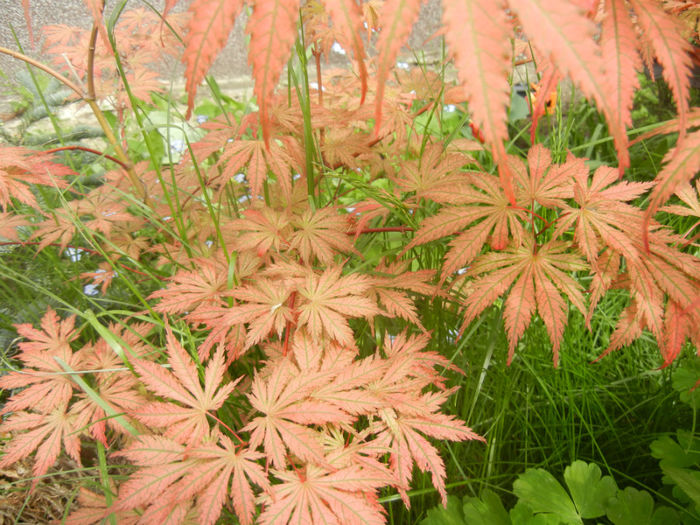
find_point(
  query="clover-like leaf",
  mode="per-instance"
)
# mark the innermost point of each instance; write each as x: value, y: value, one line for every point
x: 540, y: 491
x: 589, y: 491
x: 487, y: 510
x: 636, y: 507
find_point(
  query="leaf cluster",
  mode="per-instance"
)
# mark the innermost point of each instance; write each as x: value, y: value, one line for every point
x: 271, y: 360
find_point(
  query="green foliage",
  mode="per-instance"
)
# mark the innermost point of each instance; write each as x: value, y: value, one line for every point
x: 542, y: 500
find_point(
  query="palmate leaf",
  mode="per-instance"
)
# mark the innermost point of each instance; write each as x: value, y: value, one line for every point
x: 477, y: 38
x: 683, y: 163
x: 621, y: 66
x: 538, y: 275
x: 258, y: 158
x: 540, y: 182
x: 20, y: 167
x: 663, y: 33
x: 564, y: 33
x: 188, y: 423
x: 272, y: 30
x: 404, y: 437
x: 396, y: 20
x: 211, y: 22
x: 189, y: 289
x: 664, y: 287
x: 317, y: 495
x: 92, y: 508
x: 45, y: 385
x: 161, y: 463
x: 327, y: 300
x: 321, y: 234
x: 483, y: 210
x: 347, y: 23
x: 283, y: 399
x: 602, y: 216
x: 408, y: 415
x: 45, y: 432
x: 219, y: 466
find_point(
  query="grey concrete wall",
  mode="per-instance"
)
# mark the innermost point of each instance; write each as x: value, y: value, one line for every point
x: 231, y: 63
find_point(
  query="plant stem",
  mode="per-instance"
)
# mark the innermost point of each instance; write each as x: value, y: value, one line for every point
x: 385, y: 229
x: 88, y: 150
x: 44, y: 68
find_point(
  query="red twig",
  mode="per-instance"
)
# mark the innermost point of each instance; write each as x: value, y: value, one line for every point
x: 89, y: 150
x: 288, y: 328
x: 382, y: 230
x: 242, y: 443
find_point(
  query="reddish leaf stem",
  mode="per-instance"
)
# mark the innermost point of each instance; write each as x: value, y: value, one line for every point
x: 288, y: 328
x: 242, y: 443
x: 89, y: 150
x: 382, y: 230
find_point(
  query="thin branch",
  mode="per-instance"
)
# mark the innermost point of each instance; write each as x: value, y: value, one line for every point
x: 91, y: 64
x: 400, y: 229
x: 46, y: 69
x: 89, y: 150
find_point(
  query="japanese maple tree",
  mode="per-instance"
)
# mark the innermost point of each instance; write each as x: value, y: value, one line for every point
x: 274, y: 366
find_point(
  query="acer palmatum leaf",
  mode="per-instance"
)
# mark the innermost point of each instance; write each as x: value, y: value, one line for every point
x: 92, y: 508
x: 54, y: 337
x: 264, y: 307
x: 120, y: 392
x: 434, y: 175
x: 45, y: 432
x: 664, y: 288
x: 347, y: 24
x: 263, y: 230
x: 20, y: 167
x: 407, y: 358
x: 189, y: 289
x: 169, y: 4
x: 189, y: 423
x: 620, y: 59
x: 210, y: 23
x: 602, y: 216
x: 663, y: 33
x: 477, y: 39
x: 9, y: 224
x: 541, y: 182
x: 690, y: 197
x: 402, y: 435
x: 219, y: 466
x: 679, y: 324
x: 550, y: 78
x: 329, y: 299
x: 565, y: 34
x: 481, y: 209
x: 682, y: 164
x: 258, y: 159
x: 313, y: 494
x: 339, y: 379
x: 96, y: 8
x: 605, y: 271
x: 272, y: 29
x: 45, y: 385
x: 283, y: 400
x: 396, y: 20
x: 161, y: 463
x: 321, y: 234
x: 539, y: 275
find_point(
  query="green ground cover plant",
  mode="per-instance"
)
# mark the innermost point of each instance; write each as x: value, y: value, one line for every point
x: 364, y: 289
